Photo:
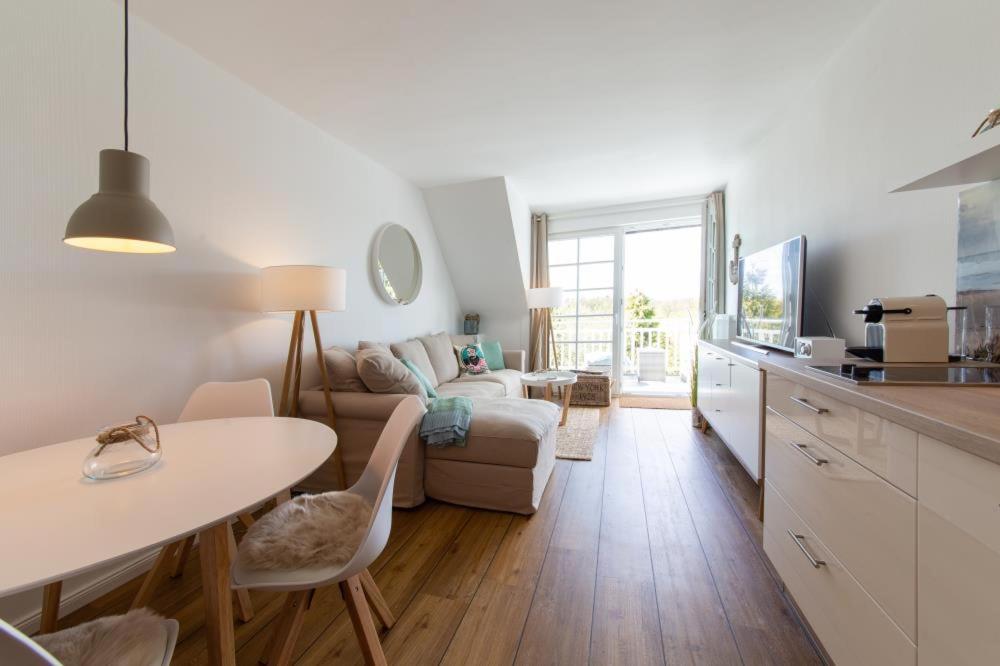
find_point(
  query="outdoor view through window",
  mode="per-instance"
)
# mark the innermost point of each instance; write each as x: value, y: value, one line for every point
x: 657, y: 319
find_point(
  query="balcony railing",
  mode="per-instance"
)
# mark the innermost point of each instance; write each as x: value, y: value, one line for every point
x: 674, y: 336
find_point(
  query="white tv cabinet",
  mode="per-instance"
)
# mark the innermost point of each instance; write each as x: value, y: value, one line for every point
x: 730, y: 398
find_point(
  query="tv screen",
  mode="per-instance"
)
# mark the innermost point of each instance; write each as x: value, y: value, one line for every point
x: 769, y: 310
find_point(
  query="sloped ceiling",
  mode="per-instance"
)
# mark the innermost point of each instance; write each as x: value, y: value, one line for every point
x: 578, y: 102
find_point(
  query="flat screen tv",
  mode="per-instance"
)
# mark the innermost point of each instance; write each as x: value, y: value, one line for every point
x: 770, y: 296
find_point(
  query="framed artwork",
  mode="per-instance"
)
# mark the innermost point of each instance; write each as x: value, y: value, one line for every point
x: 978, y: 271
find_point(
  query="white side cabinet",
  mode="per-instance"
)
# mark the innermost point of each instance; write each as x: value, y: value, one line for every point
x: 729, y: 398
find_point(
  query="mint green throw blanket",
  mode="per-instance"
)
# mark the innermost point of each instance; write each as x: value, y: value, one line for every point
x: 446, y: 421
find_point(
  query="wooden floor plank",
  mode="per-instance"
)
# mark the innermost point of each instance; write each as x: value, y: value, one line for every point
x: 558, y: 626
x: 491, y: 629
x: 766, y: 629
x: 425, y: 630
x: 399, y: 580
x: 693, y: 622
x: 626, y: 627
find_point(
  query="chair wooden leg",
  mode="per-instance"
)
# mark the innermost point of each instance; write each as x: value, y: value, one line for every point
x: 182, y: 557
x: 153, y: 577
x: 361, y: 618
x: 283, y: 496
x: 51, y: 595
x: 287, y: 628
x: 376, y: 600
x: 244, y: 609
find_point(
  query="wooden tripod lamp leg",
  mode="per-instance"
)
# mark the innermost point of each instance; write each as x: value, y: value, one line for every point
x: 293, y: 399
x: 293, y: 343
x: 338, y: 460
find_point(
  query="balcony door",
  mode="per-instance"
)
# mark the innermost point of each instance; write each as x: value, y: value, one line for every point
x: 587, y: 267
x: 630, y: 304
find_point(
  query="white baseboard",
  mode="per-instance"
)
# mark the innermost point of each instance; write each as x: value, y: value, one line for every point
x: 85, y: 591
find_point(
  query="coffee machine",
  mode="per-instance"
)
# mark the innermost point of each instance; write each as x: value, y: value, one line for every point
x: 905, y: 330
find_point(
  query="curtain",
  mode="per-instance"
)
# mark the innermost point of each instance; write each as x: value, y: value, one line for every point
x: 538, y: 347
x: 713, y: 265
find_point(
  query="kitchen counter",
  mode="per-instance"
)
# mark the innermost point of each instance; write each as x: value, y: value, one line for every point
x: 966, y: 417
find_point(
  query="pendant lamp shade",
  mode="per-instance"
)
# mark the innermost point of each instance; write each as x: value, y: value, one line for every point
x: 121, y: 217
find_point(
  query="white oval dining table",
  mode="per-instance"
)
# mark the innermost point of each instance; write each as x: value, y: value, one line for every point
x: 56, y: 522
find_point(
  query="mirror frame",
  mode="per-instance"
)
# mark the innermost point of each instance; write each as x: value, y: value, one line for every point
x: 374, y: 263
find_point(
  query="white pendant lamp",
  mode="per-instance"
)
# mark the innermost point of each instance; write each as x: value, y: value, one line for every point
x: 121, y: 217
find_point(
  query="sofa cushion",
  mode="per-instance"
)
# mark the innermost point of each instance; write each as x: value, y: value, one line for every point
x: 494, y: 354
x: 368, y: 344
x: 510, y: 380
x: 470, y: 390
x: 384, y: 373
x: 442, y: 356
x: 414, y: 350
x: 503, y: 432
x: 471, y: 360
x: 343, y: 370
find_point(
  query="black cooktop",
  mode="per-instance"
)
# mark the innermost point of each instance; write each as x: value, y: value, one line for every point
x: 882, y: 374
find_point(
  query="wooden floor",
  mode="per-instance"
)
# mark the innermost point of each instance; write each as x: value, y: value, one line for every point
x: 648, y: 554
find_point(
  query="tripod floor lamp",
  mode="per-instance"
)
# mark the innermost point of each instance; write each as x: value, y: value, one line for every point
x: 546, y: 298
x: 305, y: 290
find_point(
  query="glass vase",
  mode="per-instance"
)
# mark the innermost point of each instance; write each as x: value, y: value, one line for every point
x: 124, y: 449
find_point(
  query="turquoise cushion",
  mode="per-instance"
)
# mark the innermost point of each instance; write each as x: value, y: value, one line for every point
x: 421, y: 377
x: 493, y: 354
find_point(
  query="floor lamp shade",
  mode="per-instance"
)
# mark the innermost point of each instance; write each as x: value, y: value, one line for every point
x: 544, y: 297
x: 121, y: 217
x: 303, y: 288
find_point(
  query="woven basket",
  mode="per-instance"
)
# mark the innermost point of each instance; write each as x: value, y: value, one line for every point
x: 592, y: 389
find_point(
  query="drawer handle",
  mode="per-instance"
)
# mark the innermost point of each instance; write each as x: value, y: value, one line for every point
x: 730, y: 364
x: 801, y: 448
x: 799, y: 539
x: 805, y: 403
x: 718, y: 384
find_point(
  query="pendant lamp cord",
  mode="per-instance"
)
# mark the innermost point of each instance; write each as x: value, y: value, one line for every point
x: 126, y: 75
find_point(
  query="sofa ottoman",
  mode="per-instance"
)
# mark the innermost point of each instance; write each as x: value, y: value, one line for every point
x: 507, y: 459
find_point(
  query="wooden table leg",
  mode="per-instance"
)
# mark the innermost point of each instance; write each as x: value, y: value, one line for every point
x: 548, y: 392
x: 50, y: 607
x: 213, y: 549
x: 567, y: 392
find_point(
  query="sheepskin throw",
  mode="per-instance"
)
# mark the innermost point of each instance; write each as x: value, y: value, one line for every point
x: 138, y: 637
x: 309, y: 531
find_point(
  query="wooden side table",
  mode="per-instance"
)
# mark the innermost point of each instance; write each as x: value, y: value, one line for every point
x: 549, y: 380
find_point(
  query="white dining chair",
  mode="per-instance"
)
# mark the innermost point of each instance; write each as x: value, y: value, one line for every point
x: 78, y: 643
x: 356, y: 584
x: 212, y: 400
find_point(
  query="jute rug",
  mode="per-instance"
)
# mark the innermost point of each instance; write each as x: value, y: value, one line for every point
x: 575, y: 440
x: 653, y: 402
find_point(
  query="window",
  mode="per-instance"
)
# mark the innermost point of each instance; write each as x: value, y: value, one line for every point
x: 584, y: 324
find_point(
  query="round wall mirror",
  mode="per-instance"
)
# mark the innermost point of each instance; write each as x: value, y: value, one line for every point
x: 396, y: 266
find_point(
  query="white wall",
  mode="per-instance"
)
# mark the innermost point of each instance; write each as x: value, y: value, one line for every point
x: 482, y: 238
x: 92, y: 338
x: 912, y: 82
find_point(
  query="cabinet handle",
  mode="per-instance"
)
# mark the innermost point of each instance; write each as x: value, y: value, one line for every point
x: 718, y: 384
x: 730, y: 364
x: 805, y: 403
x: 798, y: 539
x: 801, y: 448
x: 718, y: 410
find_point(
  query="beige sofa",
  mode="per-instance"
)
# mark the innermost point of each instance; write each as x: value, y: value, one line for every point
x: 509, y: 453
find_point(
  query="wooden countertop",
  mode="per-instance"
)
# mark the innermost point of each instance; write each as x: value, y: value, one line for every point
x: 966, y: 417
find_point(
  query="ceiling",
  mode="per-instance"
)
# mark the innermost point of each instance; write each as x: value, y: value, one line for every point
x: 578, y: 102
